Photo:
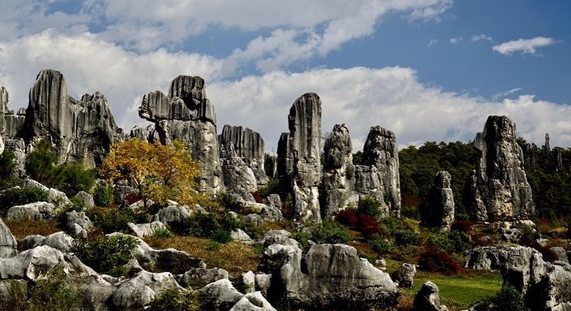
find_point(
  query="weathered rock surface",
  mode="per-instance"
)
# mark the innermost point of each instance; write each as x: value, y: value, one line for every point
x: 299, y: 157
x: 438, y: 210
x: 85, y: 198
x: 338, y: 172
x: 31, y: 264
x: 404, y: 275
x: 54, y: 196
x: 500, y: 188
x: 253, y: 302
x: 186, y: 114
x: 378, y: 177
x: 78, y: 223
x: 219, y: 296
x: 428, y: 299
x: 239, y: 178
x: 246, y: 144
x: 8, y: 243
x: 31, y: 211
x: 141, y: 289
x: 173, y: 215
x: 81, y: 131
x: 327, y: 276
x: 200, y: 277
x: 146, y: 229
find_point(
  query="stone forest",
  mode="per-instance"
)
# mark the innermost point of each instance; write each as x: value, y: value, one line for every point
x: 97, y: 218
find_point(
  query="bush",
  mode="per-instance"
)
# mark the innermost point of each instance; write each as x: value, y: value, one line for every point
x: 453, y: 241
x: 380, y: 245
x: 367, y: 225
x: 330, y: 232
x: 110, y: 220
x: 433, y: 259
x: 507, y: 299
x: 370, y: 206
x: 174, y: 299
x: 53, y: 293
x: 106, y: 255
x: 302, y: 237
x: 202, y: 225
x: 162, y: 233
x: 102, y: 196
x: 405, y: 237
x: 272, y: 186
x: 347, y: 218
x: 221, y: 236
x: 13, y: 197
x: 230, y: 223
x: 74, y: 178
x: 7, y: 169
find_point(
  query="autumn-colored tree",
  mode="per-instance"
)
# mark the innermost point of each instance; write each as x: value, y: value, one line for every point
x: 159, y: 172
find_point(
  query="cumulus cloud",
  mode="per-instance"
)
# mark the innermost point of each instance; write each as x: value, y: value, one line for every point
x: 481, y: 37
x: 524, y: 46
x: 456, y: 40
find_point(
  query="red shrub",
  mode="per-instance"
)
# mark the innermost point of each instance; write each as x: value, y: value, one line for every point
x: 257, y: 197
x: 462, y: 225
x: 481, y: 240
x: 433, y: 259
x: 367, y: 225
x: 132, y: 198
x: 347, y: 218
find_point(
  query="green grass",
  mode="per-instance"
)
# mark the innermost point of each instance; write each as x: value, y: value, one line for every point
x: 460, y: 291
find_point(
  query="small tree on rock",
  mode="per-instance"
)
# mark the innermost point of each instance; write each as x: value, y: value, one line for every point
x: 159, y: 172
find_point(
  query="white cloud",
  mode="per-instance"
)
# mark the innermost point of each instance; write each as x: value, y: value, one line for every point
x: 503, y: 94
x: 524, y: 46
x: 432, y: 42
x: 456, y: 40
x: 481, y: 37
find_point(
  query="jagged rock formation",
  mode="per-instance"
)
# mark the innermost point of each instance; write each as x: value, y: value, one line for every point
x: 499, y: 184
x: 186, y: 114
x: 438, y: 210
x: 327, y: 276
x: 299, y: 156
x: 246, y: 144
x: 378, y: 177
x: 428, y: 298
x: 8, y: 243
x: 3, y: 107
x: 81, y: 131
x: 338, y: 172
x: 547, y: 144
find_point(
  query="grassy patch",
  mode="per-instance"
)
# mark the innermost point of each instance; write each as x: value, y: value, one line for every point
x: 22, y: 228
x: 234, y: 257
x: 460, y: 291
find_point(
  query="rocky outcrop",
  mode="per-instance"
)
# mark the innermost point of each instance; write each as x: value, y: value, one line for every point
x: 31, y: 211
x: 327, y: 276
x: 239, y: 178
x: 404, y: 275
x: 141, y: 289
x: 378, y: 177
x: 428, y: 298
x: 499, y: 185
x: 80, y: 131
x: 438, y: 210
x: 338, y: 172
x: 78, y: 223
x: 8, y: 243
x: 246, y: 144
x: 185, y: 114
x: 299, y: 157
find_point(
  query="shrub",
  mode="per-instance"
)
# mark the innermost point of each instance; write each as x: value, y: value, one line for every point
x: 53, y: 293
x: 370, y: 206
x: 367, y: 225
x: 174, y: 299
x: 202, y: 225
x: 106, y: 255
x: 347, y: 218
x: 255, y: 232
x: 73, y: 177
x: 380, y: 245
x: 302, y: 237
x: 7, y: 169
x: 110, y: 220
x: 102, y: 196
x: 406, y: 237
x: 13, y: 197
x: 433, y: 259
x: 162, y: 233
x: 461, y: 225
x: 230, y: 223
x: 330, y: 232
x: 221, y: 236
x: 453, y: 241
x: 228, y: 202
x: 272, y: 186
x: 507, y: 299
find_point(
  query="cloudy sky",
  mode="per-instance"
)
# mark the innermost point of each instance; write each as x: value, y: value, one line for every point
x: 430, y: 70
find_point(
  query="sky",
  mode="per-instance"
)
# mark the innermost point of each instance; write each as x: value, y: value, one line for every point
x: 429, y: 70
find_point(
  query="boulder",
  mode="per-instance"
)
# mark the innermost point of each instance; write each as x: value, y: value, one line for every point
x: 239, y: 235
x: 8, y: 243
x: 173, y: 215
x: 253, y: 302
x: 59, y: 240
x: 185, y: 114
x: 378, y: 177
x: 140, y: 290
x: 200, y: 277
x: 31, y: 264
x: 54, y: 196
x: 487, y: 257
x: 219, y: 296
x: 31, y: 211
x: 78, y: 223
x: 85, y: 198
x: 238, y: 177
x: 499, y: 189
x: 299, y: 157
x: 428, y: 299
x: 338, y: 173
x: 438, y: 210
x: 146, y: 229
x: 327, y: 276
x: 404, y: 275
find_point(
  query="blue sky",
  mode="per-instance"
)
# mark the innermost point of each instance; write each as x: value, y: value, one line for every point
x: 426, y: 69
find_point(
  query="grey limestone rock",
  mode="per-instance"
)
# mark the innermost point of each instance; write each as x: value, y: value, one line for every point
x: 54, y: 196
x: 173, y: 214
x: 246, y: 144
x: 78, y: 223
x: 299, y: 159
x: 142, y: 289
x: 438, y: 210
x: 146, y: 229
x: 428, y: 298
x: 200, y: 277
x: 338, y: 172
x: 8, y: 243
x: 253, y: 302
x: 500, y: 189
x: 404, y: 275
x: 188, y: 116
x: 219, y: 296
x: 239, y: 178
x: 378, y: 177
x: 326, y: 276
x: 85, y: 198
x: 31, y: 264
x: 31, y: 211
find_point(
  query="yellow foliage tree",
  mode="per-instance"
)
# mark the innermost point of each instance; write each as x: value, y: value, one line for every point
x: 160, y: 172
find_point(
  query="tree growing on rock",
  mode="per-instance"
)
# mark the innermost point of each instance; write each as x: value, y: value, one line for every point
x: 159, y: 172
